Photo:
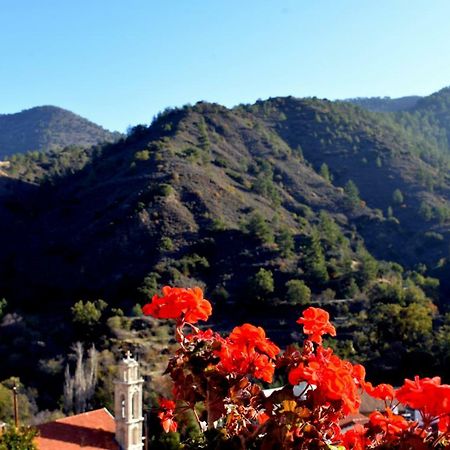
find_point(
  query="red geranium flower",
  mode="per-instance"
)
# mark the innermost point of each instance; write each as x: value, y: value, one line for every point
x: 430, y: 397
x: 383, y: 391
x: 316, y: 323
x: 248, y: 351
x: 391, y: 424
x: 333, y: 378
x: 355, y: 439
x: 183, y: 304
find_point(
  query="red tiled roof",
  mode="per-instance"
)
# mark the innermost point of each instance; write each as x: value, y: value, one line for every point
x: 92, y: 430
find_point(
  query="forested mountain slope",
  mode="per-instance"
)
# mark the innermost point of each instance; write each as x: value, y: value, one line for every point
x: 267, y: 206
x: 385, y: 104
x: 205, y: 167
x: 46, y: 128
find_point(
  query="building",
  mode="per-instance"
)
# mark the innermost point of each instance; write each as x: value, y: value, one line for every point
x: 90, y: 430
x: 98, y: 429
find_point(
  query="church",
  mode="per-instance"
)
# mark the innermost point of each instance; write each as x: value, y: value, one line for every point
x: 95, y: 430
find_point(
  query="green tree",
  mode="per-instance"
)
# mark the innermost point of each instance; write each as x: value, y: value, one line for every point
x: 330, y: 232
x: 262, y: 284
x: 397, y: 197
x: 166, y: 244
x: 325, y: 172
x: 204, y: 142
x: 390, y: 212
x: 143, y: 155
x: 285, y: 242
x: 25, y: 400
x: 3, y: 305
x: 385, y: 322
x: 426, y: 211
x: 18, y: 438
x: 86, y: 315
x: 368, y: 269
x: 416, y: 323
x: 297, y: 292
x: 314, y: 259
x: 442, y: 213
x: 258, y: 228
x: 352, y: 192
x: 149, y: 286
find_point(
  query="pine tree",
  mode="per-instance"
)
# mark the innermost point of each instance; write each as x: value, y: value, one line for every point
x: 325, y: 172
x: 314, y: 259
x: 352, y: 192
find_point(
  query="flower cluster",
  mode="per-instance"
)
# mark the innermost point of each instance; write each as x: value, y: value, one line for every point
x: 430, y: 397
x: 187, y: 305
x: 217, y: 378
x: 316, y: 323
x: 334, y: 379
x: 248, y: 351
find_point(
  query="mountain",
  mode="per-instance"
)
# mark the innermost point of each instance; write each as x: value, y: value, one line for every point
x: 267, y: 206
x: 46, y: 128
x: 385, y: 104
x: 206, y: 167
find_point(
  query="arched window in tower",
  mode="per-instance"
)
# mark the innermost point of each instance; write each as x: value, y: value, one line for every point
x: 135, y: 405
x: 122, y: 406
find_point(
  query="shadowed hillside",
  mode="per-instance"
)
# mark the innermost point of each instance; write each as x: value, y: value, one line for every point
x: 269, y: 207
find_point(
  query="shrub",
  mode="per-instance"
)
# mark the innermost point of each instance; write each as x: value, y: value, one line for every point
x: 143, y: 155
x: 297, y: 293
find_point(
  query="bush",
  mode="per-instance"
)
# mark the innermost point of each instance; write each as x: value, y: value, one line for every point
x: 297, y: 293
x: 143, y: 155
x: 262, y: 284
x: 257, y: 227
x: 18, y: 438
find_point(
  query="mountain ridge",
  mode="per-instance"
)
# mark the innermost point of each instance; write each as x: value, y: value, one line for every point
x: 47, y: 127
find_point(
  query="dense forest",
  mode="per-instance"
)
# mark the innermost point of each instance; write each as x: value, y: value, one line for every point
x: 269, y: 207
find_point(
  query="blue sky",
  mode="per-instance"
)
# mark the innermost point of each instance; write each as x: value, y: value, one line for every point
x: 119, y: 62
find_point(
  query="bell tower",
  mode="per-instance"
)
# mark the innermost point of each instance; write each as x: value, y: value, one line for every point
x: 128, y: 404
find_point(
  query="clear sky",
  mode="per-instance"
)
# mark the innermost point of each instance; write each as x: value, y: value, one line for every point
x: 119, y: 62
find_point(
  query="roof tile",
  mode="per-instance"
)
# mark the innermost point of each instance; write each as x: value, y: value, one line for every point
x: 92, y: 430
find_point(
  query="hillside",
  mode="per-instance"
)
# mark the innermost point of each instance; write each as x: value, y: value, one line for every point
x: 46, y: 128
x: 205, y: 170
x: 385, y: 104
x: 267, y: 206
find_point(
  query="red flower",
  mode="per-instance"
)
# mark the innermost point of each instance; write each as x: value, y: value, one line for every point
x: 166, y: 415
x: 183, y: 304
x: 355, y: 439
x: 391, y: 423
x: 383, y: 391
x: 247, y: 351
x: 316, y: 323
x: 429, y: 396
x: 359, y: 373
x: 333, y: 378
x: 253, y: 338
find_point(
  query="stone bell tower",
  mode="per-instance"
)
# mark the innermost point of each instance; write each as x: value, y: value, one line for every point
x: 128, y: 404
